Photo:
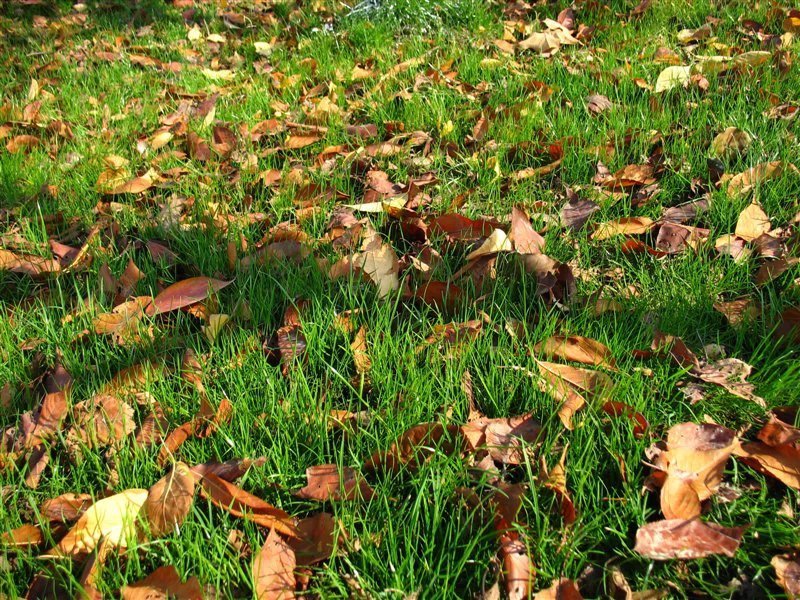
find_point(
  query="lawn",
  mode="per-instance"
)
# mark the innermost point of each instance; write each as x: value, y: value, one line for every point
x: 403, y: 299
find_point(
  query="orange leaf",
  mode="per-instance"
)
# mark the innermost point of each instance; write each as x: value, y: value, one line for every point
x: 244, y: 504
x: 187, y: 292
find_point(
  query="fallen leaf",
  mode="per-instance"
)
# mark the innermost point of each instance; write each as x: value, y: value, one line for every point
x: 672, y: 77
x: 162, y: 584
x: 360, y: 355
x: 597, y: 103
x: 742, y: 310
x: 273, y: 569
x: 523, y: 236
x: 562, y: 589
x: 624, y: 226
x: 169, y: 501
x: 555, y: 479
x: 576, y: 348
x: 240, y: 503
x: 743, y: 183
x: 695, y: 461
x: 753, y: 222
x: 497, y: 242
x: 416, y: 445
x: 113, y: 519
x: 730, y: 143
x: 684, y: 540
x: 66, y: 507
x: 329, y: 482
x: 504, y: 438
x: 185, y: 293
x: 781, y: 462
x: 787, y: 571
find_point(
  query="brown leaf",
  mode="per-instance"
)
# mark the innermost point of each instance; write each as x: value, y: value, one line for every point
x: 524, y: 237
x: 240, y: 503
x: 416, y: 445
x: 295, y: 142
x: 66, y: 507
x: 459, y: 227
x: 624, y: 226
x: 743, y: 183
x: 360, y: 355
x: 787, y: 569
x: 563, y: 383
x: 731, y: 374
x: 22, y: 143
x: 48, y: 421
x: 103, y: 420
x: 576, y: 348
x: 562, y: 589
x: 112, y: 519
x: 316, y: 542
x: 505, y: 438
x: 619, y: 409
x: 730, y: 143
x: 741, y: 310
x: 25, y: 535
x: 273, y: 569
x: 682, y: 539
x: 161, y: 584
x: 379, y: 261
x: 329, y: 482
x: 125, y: 323
x: 752, y: 223
x: 781, y: 462
x: 778, y: 433
x: 695, y: 461
x: 518, y: 569
x: 620, y: 589
x: 597, y: 103
x: 198, y: 147
x: 169, y: 501
x: 556, y: 480
x: 185, y: 293
x: 229, y: 470
x: 577, y: 211
x: 137, y: 185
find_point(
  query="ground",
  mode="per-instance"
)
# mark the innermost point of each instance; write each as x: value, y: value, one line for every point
x: 229, y: 133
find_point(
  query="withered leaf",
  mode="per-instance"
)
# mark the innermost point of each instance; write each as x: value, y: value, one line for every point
x: 169, y: 501
x: 329, y: 482
x: 682, y: 539
x: 161, y: 584
x: 187, y: 292
x: 504, y: 438
x: 243, y: 504
x: 416, y: 445
x: 273, y: 569
x: 576, y: 348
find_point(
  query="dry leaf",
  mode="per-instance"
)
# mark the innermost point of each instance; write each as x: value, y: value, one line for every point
x: 169, y: 501
x: 753, y: 222
x: 576, y: 348
x: 624, y: 226
x: 273, y: 569
x: 243, y: 504
x: 730, y: 143
x: 113, y: 519
x: 504, y: 438
x: 787, y: 572
x: 330, y: 482
x: 162, y: 584
x: 681, y: 539
x: 185, y: 293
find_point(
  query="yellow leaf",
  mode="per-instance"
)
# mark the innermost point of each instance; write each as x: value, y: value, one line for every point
x: 672, y: 77
x: 111, y: 519
x: 752, y: 223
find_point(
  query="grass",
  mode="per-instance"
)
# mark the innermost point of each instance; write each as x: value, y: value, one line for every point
x: 415, y: 537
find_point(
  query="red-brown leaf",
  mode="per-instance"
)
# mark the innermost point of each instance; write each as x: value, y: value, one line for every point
x: 244, y: 504
x: 187, y: 292
x: 682, y: 539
